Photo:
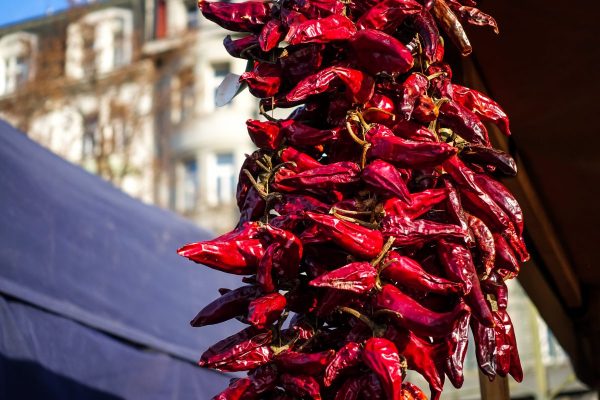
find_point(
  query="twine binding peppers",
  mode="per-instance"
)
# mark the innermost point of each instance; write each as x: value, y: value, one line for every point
x: 371, y: 215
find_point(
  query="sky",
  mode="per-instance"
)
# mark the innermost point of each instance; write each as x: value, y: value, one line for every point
x: 18, y: 10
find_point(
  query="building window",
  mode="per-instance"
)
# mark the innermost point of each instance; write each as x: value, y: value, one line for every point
x: 17, y: 52
x: 192, y: 16
x: 225, y: 178
x: 119, y: 43
x: 190, y: 184
x: 90, y: 137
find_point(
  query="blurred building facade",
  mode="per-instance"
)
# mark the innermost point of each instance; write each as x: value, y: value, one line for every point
x: 126, y: 89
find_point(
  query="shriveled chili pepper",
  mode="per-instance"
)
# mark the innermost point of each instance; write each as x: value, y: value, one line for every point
x: 409, y: 154
x: 304, y: 363
x: 360, y: 86
x: 451, y: 25
x: 245, y: 16
x: 348, y: 356
x: 356, y: 239
x: 301, y: 385
x: 484, y: 242
x: 457, y: 343
x: 501, y: 196
x: 287, y: 256
x: 506, y: 345
x: 299, y: 161
x: 264, y: 310
x: 270, y: 35
x: 458, y: 265
x: 455, y: 209
x: 490, y: 159
x: 412, y: 390
x: 495, y: 285
x: 419, y: 203
x: 264, y: 79
x: 228, y: 306
x: 425, y: 110
x: 302, y: 61
x: 299, y: 134
x: 265, y: 134
x: 425, y: 26
x: 506, y: 261
x: 242, y: 351
x: 380, y: 109
x: 323, y: 30
x: 263, y: 378
x: 408, y: 232
x: 384, y: 178
x: 409, y: 273
x: 464, y: 123
x: 253, y: 207
x: 481, y: 105
x: 408, y: 313
x: 377, y: 52
x: 485, y: 347
x: 325, y: 177
x: 473, y: 16
x: 414, y: 85
x: 240, y: 48
x: 387, y: 15
x: 351, y: 389
x: 358, y: 277
x: 421, y: 356
x: 381, y: 356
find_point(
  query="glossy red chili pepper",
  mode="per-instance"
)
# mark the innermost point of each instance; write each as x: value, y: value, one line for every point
x: 358, y: 277
x: 348, y: 356
x: 384, y: 178
x: 236, y: 252
x: 265, y: 310
x: 380, y: 109
x: 377, y: 52
x: 360, y: 86
x: 506, y: 261
x: 270, y: 35
x: 265, y: 134
x: 455, y: 209
x: 323, y: 30
x: 264, y: 79
x: 301, y: 385
x: 240, y: 48
x: 381, y: 356
x: 421, y: 355
x: 242, y: 351
x: 304, y: 363
x: 409, y: 273
x: 253, y: 207
x: 263, y: 379
x: 387, y: 15
x: 457, y: 343
x: 425, y: 110
x: 425, y: 26
x: 495, y: 285
x: 319, y: 8
x: 356, y: 239
x: 302, y: 61
x: 244, y: 183
x: 409, y: 154
x: 286, y: 258
x: 351, y: 389
x: 299, y: 161
x: 408, y: 313
x: 506, y: 345
x: 299, y: 134
x: 464, y: 123
x: 226, y: 307
x: 414, y: 86
x: 419, y: 231
x: 245, y: 16
x: 419, y: 203
x: 408, y: 389
x: 485, y: 348
x: 491, y: 159
x: 484, y: 242
x: 501, y: 196
x: 325, y: 177
x: 451, y: 25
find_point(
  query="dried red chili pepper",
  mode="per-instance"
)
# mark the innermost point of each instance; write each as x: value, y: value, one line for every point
x: 304, y: 363
x: 299, y: 134
x: 409, y: 154
x: 270, y: 35
x: 503, y: 198
x: 380, y: 109
x: 240, y: 48
x: 414, y: 85
x: 228, y: 306
x: 464, y: 123
x: 356, y: 239
x: 484, y: 242
x: 264, y: 79
x: 419, y: 203
x: 245, y: 16
x: 481, y: 105
x: 323, y: 30
x: 407, y: 232
x: 348, y: 356
x: 457, y: 343
x: 425, y: 110
x: 407, y: 312
x: 382, y: 357
x: 325, y: 177
x: 451, y: 25
x: 358, y: 277
x: 265, y: 134
x: 351, y: 389
x: 425, y: 26
x: 409, y: 273
x: 485, y: 347
x: 384, y: 178
x: 377, y: 52
x: 301, y: 386
x: 299, y: 161
x: 242, y: 351
x: 473, y: 16
x: 387, y: 15
x: 302, y: 61
x: 491, y: 159
x: 264, y: 310
x: 236, y: 390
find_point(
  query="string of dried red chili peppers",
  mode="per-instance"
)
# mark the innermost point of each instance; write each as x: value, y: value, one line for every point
x: 371, y: 216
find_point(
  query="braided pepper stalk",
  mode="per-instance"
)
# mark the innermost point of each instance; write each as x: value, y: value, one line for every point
x: 371, y: 216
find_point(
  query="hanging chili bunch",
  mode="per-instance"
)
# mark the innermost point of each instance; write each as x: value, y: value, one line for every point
x: 373, y: 233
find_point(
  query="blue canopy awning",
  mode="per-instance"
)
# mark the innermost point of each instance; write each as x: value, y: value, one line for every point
x: 89, y: 276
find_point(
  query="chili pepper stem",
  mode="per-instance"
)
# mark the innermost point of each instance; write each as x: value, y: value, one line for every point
x: 261, y: 191
x: 386, y: 247
x: 358, y: 315
x: 355, y: 221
